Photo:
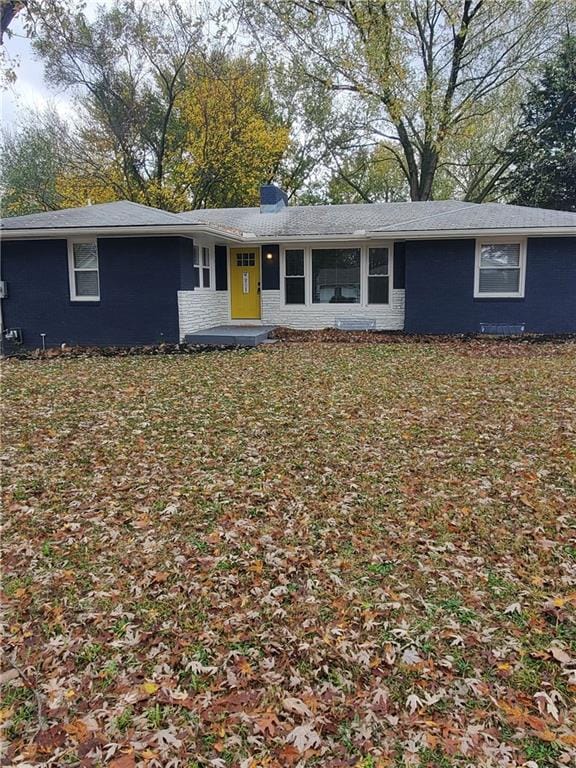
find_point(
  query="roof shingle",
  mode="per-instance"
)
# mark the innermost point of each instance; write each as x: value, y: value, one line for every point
x: 430, y: 216
x: 315, y: 220
x: 122, y: 213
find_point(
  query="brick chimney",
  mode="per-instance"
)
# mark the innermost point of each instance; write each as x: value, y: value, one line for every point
x: 272, y: 198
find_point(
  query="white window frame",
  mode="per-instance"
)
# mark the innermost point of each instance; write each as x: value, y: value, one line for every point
x: 519, y: 294
x: 364, y: 264
x: 199, y: 244
x: 284, y: 276
x: 387, y: 276
x: 72, y: 269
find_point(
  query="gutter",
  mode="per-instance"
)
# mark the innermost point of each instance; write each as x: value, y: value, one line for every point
x: 448, y: 234
x: 189, y: 230
x: 182, y: 230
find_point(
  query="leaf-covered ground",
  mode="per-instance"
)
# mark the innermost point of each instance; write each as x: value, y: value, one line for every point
x: 302, y: 555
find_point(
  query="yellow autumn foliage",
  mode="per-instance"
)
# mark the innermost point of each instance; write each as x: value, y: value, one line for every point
x: 223, y: 139
x: 231, y: 141
x: 74, y: 190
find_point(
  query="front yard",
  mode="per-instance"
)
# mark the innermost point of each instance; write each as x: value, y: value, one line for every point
x: 303, y: 555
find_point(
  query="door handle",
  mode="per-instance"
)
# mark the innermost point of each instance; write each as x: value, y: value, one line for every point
x: 258, y: 289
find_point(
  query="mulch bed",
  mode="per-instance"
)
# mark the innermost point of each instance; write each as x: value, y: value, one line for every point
x: 334, y: 335
x: 468, y: 344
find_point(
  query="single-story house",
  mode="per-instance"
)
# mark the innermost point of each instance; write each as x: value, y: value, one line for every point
x: 127, y: 274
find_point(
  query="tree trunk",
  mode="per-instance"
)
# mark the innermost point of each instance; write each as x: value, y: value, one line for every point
x: 428, y: 165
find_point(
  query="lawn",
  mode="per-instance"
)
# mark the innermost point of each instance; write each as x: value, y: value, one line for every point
x: 302, y: 555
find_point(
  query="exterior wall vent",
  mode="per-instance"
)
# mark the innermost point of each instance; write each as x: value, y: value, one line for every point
x: 502, y: 329
x: 355, y: 324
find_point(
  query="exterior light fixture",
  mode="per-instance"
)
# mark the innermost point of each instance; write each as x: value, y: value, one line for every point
x: 269, y: 256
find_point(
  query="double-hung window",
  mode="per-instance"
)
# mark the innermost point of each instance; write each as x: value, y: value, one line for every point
x: 378, y: 276
x: 201, y: 256
x: 83, y: 270
x: 500, y: 269
x: 294, y: 280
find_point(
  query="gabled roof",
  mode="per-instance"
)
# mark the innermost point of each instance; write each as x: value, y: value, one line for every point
x: 433, y: 216
x: 101, y: 216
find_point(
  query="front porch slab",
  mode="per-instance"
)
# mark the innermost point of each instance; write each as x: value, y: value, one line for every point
x: 230, y: 336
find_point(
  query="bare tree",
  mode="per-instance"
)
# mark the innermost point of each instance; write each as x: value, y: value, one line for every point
x: 128, y: 66
x: 430, y: 68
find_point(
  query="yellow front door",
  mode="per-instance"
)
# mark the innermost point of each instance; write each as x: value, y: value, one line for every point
x: 245, y: 283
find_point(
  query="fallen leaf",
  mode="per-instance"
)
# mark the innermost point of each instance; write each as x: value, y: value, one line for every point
x: 124, y: 761
x: 10, y: 674
x: 6, y: 714
x: 560, y: 655
x: 304, y: 737
x: 546, y: 735
x: 297, y: 706
x: 267, y: 723
x: 149, y: 687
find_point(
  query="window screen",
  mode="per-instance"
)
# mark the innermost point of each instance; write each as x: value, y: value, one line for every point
x: 499, y: 269
x: 336, y: 276
x: 205, y: 267
x: 294, y: 280
x: 202, y: 267
x: 378, y: 276
x: 85, y: 279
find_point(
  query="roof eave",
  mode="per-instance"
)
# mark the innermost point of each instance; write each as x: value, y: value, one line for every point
x: 417, y: 235
x: 189, y: 230
x: 179, y: 230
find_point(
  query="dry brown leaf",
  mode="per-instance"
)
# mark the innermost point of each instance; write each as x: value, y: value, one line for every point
x: 560, y: 655
x: 124, y: 761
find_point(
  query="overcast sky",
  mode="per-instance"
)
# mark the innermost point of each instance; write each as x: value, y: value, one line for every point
x: 30, y: 90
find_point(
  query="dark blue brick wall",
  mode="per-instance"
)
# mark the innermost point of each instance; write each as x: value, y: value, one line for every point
x: 271, y: 268
x: 188, y: 274
x: 139, y: 281
x: 400, y: 264
x: 271, y: 195
x: 440, y: 288
x: 221, y: 267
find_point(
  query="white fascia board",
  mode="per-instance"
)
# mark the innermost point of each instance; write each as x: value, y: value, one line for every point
x: 65, y: 232
x: 220, y: 235
x: 389, y: 234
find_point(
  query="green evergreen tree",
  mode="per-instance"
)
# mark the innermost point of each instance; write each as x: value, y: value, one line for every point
x: 543, y: 150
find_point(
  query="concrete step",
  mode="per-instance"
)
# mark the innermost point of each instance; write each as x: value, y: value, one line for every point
x: 230, y: 336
